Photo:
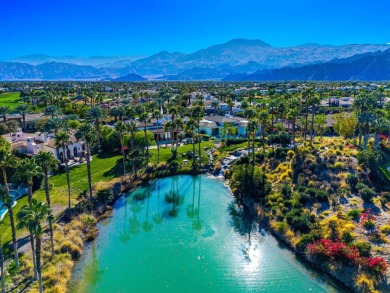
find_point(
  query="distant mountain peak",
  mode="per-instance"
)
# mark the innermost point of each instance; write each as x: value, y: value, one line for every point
x: 245, y: 42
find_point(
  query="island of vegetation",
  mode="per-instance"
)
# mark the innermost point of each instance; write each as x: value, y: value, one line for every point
x: 310, y: 160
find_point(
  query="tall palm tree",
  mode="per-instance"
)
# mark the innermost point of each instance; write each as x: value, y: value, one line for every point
x: 55, y: 125
x: 178, y: 126
x: 263, y: 120
x: 23, y: 109
x: 32, y: 216
x: 294, y: 109
x: 169, y: 127
x: 62, y: 141
x: 47, y: 162
x: 122, y: 128
x: 198, y: 113
x: 88, y: 134
x: 364, y: 106
x: 251, y: 129
x: 144, y: 117
x: 157, y: 115
x: 215, y: 105
x: 7, y: 160
x: 191, y: 127
x: 4, y: 110
x: 96, y: 115
x: 26, y: 170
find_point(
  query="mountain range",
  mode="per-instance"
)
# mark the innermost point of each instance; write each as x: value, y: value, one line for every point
x: 238, y: 59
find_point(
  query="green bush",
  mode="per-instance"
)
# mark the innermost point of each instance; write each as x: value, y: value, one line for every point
x: 352, y: 180
x: 367, y: 194
x: 363, y: 247
x: 321, y: 196
x: 354, y: 214
x: 304, y: 241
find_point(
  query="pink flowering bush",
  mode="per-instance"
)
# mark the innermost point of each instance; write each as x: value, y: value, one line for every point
x: 374, y: 265
x: 333, y: 250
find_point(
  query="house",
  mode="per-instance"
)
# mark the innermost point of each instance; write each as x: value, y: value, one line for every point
x: 32, y: 144
x: 213, y: 125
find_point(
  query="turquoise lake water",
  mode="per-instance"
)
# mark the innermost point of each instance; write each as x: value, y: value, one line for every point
x: 186, y: 234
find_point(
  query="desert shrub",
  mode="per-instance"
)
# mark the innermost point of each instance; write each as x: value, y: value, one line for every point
x: 332, y: 250
x: 347, y: 237
x: 360, y: 186
x: 304, y: 241
x: 354, y: 213
x: 367, y: 194
x: 321, y: 196
x: 363, y: 247
x: 352, y: 180
x: 281, y: 227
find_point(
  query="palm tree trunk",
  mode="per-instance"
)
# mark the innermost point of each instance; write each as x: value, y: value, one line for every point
x: 33, y: 256
x: 2, y: 267
x: 38, y: 260
x: 97, y: 124
x: 46, y: 175
x: 293, y: 132
x: 193, y: 149
x: 376, y: 143
x: 67, y: 174
x: 30, y: 193
x: 123, y: 158
x: 360, y: 135
x: 12, y: 223
x: 253, y: 150
x: 158, y: 144
x: 312, y: 127
x: 199, y: 139
x: 89, y: 172
x: 147, y: 146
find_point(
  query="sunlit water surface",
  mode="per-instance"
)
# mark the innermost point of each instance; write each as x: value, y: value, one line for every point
x: 186, y: 234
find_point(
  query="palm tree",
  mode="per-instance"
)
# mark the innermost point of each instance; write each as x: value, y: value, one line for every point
x: 364, y: 105
x: 26, y: 170
x: 230, y: 104
x: 251, y: 129
x: 380, y: 125
x: 122, y: 128
x: 198, y: 112
x: 178, y: 126
x: 313, y: 102
x: 144, y: 117
x: 55, y: 125
x: 263, y: 119
x: 294, y: 109
x: 62, y: 141
x: 157, y: 115
x: 191, y: 127
x: 32, y: 217
x: 320, y: 122
x: 7, y: 160
x: 3, y: 111
x: 169, y: 127
x: 23, y: 109
x: 215, y: 105
x: 88, y: 134
x: 96, y: 115
x: 47, y: 162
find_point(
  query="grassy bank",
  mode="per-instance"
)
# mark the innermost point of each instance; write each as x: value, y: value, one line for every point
x: 10, y: 99
x: 103, y: 168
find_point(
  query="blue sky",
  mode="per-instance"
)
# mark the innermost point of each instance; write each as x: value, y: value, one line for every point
x: 119, y: 27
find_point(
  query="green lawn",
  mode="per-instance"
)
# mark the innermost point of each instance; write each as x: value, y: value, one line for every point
x: 165, y: 153
x: 10, y: 99
x: 103, y: 168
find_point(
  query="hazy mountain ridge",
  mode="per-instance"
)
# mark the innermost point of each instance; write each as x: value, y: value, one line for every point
x: 215, y: 62
x: 367, y: 67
